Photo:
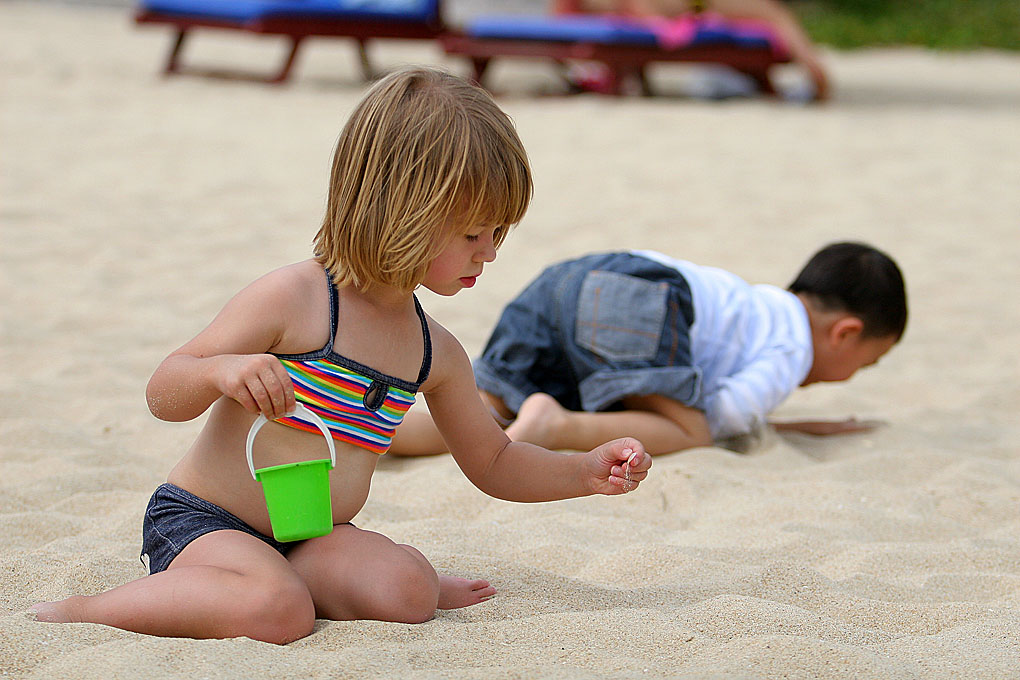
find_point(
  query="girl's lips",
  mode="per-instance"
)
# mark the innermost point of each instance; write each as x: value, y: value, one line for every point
x: 468, y: 281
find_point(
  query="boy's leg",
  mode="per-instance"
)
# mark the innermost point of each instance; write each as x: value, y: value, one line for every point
x: 358, y: 574
x: 223, y: 584
x: 418, y: 436
x: 498, y: 408
x: 661, y: 424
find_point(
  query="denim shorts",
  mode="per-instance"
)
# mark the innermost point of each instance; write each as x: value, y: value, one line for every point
x: 592, y: 331
x: 175, y: 517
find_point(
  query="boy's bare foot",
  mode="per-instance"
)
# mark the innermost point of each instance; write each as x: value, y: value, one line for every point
x: 539, y: 420
x: 457, y: 592
x: 63, y: 611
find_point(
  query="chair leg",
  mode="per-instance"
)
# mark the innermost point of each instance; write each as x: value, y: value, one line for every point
x: 614, y: 80
x: 367, y: 72
x: 172, y: 60
x: 627, y: 80
x: 479, y: 65
x: 762, y: 80
x: 644, y: 83
x: 295, y: 44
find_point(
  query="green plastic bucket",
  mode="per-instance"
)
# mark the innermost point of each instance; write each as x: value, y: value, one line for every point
x: 297, y: 494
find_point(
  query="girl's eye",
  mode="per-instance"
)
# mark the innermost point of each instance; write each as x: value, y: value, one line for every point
x: 473, y: 237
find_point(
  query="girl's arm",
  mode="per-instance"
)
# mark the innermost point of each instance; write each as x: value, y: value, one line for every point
x: 517, y: 471
x: 228, y: 358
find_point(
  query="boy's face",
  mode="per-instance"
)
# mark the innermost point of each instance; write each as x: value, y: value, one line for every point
x: 851, y: 355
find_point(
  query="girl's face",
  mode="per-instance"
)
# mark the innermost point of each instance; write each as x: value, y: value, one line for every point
x: 460, y: 263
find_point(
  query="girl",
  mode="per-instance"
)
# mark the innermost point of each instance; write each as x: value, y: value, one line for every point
x: 427, y: 178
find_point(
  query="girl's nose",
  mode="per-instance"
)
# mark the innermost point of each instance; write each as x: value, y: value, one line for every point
x: 486, y: 250
x: 487, y: 253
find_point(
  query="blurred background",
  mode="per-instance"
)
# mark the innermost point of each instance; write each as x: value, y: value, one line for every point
x: 943, y: 24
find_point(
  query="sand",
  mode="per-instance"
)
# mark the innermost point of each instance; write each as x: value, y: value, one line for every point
x: 132, y: 207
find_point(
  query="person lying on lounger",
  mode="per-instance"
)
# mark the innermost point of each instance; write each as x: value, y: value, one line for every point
x: 676, y: 354
x: 772, y: 12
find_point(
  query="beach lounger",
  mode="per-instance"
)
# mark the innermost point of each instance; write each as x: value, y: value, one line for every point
x: 624, y: 46
x: 362, y: 20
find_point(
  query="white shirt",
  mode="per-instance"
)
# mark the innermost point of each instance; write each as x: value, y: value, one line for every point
x: 752, y: 345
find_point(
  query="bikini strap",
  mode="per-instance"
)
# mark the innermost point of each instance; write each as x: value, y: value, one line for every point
x: 426, y: 361
x: 334, y: 317
x: 334, y: 309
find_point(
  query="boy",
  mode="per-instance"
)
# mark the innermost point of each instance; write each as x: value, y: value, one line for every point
x: 676, y: 354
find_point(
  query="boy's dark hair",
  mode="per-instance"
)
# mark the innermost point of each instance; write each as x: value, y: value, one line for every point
x: 860, y: 280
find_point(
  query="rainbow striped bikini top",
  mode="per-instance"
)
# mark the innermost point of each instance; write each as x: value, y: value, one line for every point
x: 359, y: 405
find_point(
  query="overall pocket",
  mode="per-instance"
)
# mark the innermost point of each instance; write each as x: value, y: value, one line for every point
x: 620, y: 317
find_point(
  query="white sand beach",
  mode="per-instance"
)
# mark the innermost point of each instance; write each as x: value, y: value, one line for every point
x: 132, y: 207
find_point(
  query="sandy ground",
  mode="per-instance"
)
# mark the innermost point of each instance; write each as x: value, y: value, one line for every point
x: 132, y: 207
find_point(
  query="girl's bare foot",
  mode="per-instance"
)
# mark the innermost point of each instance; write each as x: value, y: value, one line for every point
x: 63, y: 611
x: 457, y: 592
x: 539, y: 421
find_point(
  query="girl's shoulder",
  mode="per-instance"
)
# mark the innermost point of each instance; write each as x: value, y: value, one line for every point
x: 292, y: 282
x: 448, y: 355
x: 442, y: 339
x: 296, y: 297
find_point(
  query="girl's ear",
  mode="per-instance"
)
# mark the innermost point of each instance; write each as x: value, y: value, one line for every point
x: 845, y: 328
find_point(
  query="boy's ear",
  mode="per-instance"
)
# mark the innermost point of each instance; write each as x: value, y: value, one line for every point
x: 845, y: 328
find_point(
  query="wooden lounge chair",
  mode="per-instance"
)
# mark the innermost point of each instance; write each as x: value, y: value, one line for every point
x: 625, y: 47
x: 362, y: 20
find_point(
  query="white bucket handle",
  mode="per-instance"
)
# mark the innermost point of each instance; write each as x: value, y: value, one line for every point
x: 305, y: 413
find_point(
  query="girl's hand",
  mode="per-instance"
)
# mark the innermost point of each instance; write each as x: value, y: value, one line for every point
x: 258, y: 382
x: 617, y: 467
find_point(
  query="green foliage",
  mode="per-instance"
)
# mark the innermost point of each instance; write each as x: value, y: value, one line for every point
x: 947, y: 24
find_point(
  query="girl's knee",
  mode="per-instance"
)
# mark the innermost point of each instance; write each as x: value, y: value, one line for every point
x: 279, y: 612
x: 411, y: 590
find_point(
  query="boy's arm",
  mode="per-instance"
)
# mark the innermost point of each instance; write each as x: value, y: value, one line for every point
x: 228, y: 358
x: 679, y: 426
x: 823, y: 428
x: 517, y: 471
x: 741, y: 402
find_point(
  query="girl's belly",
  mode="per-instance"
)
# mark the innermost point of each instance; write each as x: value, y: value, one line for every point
x: 216, y: 467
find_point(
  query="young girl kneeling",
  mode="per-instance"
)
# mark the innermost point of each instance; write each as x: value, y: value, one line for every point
x: 428, y: 176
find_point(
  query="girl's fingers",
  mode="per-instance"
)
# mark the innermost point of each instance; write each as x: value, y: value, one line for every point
x: 283, y: 386
x: 277, y: 382
x: 246, y: 401
x: 261, y: 396
x: 277, y: 398
x: 623, y: 485
x: 621, y: 471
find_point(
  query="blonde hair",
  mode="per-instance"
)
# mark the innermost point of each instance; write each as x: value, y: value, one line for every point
x: 422, y: 149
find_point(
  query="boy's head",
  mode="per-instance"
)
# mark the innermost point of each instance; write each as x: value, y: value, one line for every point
x: 424, y: 156
x: 857, y: 304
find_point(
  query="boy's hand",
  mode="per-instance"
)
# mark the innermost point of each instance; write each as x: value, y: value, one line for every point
x: 617, y: 467
x: 823, y: 428
x: 258, y: 382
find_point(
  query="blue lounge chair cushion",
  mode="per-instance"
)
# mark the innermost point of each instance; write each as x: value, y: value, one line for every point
x: 594, y: 29
x: 719, y: 33
x: 250, y: 10
x: 613, y: 30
